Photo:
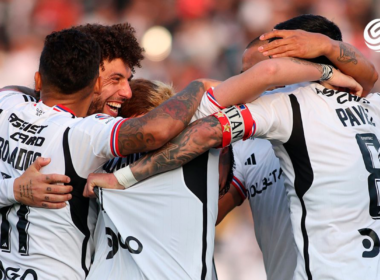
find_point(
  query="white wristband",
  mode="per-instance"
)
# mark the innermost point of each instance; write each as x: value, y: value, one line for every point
x: 125, y: 177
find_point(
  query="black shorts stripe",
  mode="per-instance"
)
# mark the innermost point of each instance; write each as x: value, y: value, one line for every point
x: 304, y: 176
x: 79, y: 205
x: 195, y: 176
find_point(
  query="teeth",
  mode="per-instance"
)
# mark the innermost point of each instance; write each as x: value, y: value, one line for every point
x: 114, y: 104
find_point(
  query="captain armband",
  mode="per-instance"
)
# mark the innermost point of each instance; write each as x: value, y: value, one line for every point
x: 237, y: 123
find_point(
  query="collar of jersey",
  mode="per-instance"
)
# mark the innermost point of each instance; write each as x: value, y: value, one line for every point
x: 60, y: 108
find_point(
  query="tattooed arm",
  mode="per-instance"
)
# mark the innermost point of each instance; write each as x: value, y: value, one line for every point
x: 157, y: 127
x: 35, y: 189
x: 197, y: 138
x: 302, y: 44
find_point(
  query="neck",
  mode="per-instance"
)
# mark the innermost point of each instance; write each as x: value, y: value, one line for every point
x: 76, y: 102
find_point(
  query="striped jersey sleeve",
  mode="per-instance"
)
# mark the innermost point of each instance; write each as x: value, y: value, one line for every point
x: 208, y: 106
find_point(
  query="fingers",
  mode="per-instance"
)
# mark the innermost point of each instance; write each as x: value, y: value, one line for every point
x: 51, y: 205
x: 40, y: 162
x: 276, y: 33
x: 56, y: 198
x: 55, y: 178
x: 279, y: 51
x: 89, y: 190
x: 57, y: 189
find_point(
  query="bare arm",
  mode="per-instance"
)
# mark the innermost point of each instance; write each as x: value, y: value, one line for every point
x: 227, y: 203
x: 302, y: 44
x: 157, y: 127
x: 270, y: 73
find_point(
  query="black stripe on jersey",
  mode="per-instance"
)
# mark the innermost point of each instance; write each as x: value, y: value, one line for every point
x: 304, y: 176
x: 5, y: 230
x: 79, y: 205
x: 195, y: 176
x: 25, y: 98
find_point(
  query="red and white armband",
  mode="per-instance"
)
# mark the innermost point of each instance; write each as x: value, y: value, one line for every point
x: 237, y: 123
x: 242, y: 191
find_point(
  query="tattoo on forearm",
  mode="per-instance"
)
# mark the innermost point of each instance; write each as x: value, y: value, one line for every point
x: 305, y: 62
x: 179, y: 151
x: 347, y: 54
x: 178, y: 110
x: 26, y: 191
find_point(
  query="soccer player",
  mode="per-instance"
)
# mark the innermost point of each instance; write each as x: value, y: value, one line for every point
x: 172, y: 207
x: 258, y: 175
x: 76, y: 146
x: 327, y: 142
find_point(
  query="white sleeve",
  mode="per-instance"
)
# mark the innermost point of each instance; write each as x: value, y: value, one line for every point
x: 7, y: 197
x: 273, y: 117
x: 93, y: 141
x: 10, y: 98
x: 208, y: 106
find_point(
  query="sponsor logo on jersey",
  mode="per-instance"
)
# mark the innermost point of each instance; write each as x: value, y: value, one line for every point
x: 115, y: 240
x: 371, y: 243
x: 259, y: 187
x: 251, y: 160
x: 15, y: 273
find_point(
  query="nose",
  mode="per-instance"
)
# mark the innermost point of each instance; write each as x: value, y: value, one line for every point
x: 125, y: 90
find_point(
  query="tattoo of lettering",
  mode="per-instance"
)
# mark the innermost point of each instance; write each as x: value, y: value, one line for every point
x: 305, y: 62
x: 26, y: 191
x: 138, y: 134
x: 347, y: 54
x: 186, y: 146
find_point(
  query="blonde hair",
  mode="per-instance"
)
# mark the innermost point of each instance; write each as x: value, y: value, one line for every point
x: 146, y: 95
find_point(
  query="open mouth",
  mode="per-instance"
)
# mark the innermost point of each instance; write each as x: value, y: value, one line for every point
x: 114, y: 106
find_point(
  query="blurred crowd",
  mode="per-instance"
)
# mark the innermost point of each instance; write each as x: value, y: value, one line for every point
x: 208, y: 38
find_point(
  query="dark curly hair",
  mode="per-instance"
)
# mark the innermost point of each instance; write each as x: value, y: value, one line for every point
x: 69, y: 61
x: 116, y: 41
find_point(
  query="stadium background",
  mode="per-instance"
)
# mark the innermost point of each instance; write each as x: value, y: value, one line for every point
x: 194, y: 39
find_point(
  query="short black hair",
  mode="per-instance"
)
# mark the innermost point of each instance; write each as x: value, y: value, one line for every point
x: 224, y: 189
x: 116, y: 41
x: 314, y: 24
x: 69, y: 61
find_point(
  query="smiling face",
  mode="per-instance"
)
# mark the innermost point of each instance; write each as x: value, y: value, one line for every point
x: 115, y: 88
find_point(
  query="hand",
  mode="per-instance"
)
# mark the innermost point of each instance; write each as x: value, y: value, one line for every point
x: 102, y: 180
x: 295, y: 43
x: 341, y: 80
x: 40, y: 190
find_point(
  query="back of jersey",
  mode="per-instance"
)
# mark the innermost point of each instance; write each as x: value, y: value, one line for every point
x: 161, y: 228
x: 328, y: 145
x: 35, y: 242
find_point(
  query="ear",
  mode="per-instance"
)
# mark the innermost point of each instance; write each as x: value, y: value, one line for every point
x: 37, y: 81
x: 98, y: 86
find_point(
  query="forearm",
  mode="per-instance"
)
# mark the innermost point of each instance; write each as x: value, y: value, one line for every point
x: 196, y: 139
x: 248, y: 86
x: 227, y: 203
x: 157, y: 127
x: 351, y: 62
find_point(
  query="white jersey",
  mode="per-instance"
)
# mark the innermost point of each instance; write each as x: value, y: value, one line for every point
x: 161, y: 228
x: 328, y: 145
x: 259, y: 175
x: 39, y: 243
